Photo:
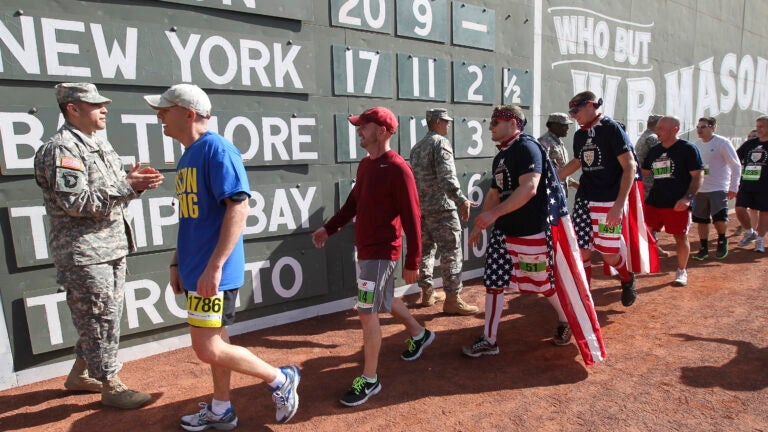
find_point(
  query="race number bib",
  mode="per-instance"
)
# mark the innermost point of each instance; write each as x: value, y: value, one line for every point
x: 752, y: 172
x: 365, y: 292
x: 662, y: 169
x: 532, y: 265
x: 605, y: 231
x: 204, y: 311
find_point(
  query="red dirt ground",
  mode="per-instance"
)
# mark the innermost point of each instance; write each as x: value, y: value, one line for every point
x: 680, y: 359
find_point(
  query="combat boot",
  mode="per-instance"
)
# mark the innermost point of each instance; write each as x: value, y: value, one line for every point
x: 116, y: 394
x: 78, y: 379
x: 429, y: 296
x: 454, y: 305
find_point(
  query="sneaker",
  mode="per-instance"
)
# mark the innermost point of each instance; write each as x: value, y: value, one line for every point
x: 360, y: 392
x: 681, y: 278
x: 704, y: 254
x: 206, y: 419
x: 760, y: 246
x: 722, y: 249
x: 416, y: 346
x: 286, y: 397
x: 748, y: 238
x: 628, y: 291
x: 481, y: 347
x: 562, y: 335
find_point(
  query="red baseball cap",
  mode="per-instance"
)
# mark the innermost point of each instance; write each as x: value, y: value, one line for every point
x: 379, y: 115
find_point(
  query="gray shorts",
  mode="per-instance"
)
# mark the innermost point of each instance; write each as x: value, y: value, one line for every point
x: 710, y: 206
x: 375, y: 285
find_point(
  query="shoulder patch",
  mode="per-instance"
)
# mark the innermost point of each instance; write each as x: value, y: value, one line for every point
x: 72, y: 163
x: 447, y: 155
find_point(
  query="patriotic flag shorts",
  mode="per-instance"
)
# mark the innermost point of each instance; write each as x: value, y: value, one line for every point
x: 517, y: 263
x: 589, y: 224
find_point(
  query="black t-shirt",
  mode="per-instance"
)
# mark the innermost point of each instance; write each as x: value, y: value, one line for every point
x: 598, y: 149
x: 523, y: 156
x: 671, y: 169
x: 753, y: 155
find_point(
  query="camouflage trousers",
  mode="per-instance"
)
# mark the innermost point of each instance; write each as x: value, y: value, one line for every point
x: 95, y: 298
x: 441, y: 233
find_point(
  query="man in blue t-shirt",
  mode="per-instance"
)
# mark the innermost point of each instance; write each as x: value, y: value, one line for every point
x: 753, y: 190
x: 602, y: 150
x: 678, y: 172
x: 209, y: 262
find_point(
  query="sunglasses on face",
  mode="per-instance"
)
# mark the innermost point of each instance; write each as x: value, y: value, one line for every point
x: 702, y: 127
x: 577, y: 107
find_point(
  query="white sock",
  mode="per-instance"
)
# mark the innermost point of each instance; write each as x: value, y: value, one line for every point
x: 279, y: 380
x: 219, y: 407
x: 421, y: 335
x: 750, y: 231
x: 370, y: 380
x: 494, y: 303
x: 555, y: 302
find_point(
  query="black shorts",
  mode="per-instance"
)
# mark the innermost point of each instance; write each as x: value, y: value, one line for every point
x: 753, y: 200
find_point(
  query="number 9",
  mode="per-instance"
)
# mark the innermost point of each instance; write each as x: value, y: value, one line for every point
x: 424, y: 18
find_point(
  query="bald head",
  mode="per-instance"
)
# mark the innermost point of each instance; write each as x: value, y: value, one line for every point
x: 667, y: 129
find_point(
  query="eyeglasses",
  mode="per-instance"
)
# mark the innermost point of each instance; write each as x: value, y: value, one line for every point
x: 577, y: 107
x: 702, y: 127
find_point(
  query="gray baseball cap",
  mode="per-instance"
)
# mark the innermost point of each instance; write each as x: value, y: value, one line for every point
x: 188, y: 96
x: 76, y: 92
x: 438, y: 113
x: 561, y: 118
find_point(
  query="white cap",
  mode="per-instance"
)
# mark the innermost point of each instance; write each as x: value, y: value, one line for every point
x: 184, y: 95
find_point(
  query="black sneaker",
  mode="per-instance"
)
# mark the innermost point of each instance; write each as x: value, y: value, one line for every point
x: 703, y: 254
x: 628, y: 291
x: 360, y: 392
x: 481, y: 347
x: 562, y: 335
x: 722, y: 249
x: 416, y: 346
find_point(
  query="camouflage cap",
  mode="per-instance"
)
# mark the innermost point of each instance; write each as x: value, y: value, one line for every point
x: 438, y: 113
x: 560, y: 118
x: 75, y: 92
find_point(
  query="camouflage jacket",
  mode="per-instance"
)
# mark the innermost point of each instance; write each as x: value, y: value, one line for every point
x: 555, y: 149
x: 86, y: 197
x: 645, y: 143
x: 435, y: 173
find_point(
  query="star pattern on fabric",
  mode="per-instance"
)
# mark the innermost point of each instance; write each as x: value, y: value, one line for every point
x: 582, y: 223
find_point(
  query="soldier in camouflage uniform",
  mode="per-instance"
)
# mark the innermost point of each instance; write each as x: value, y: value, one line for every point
x: 647, y: 141
x: 557, y: 128
x: 439, y: 197
x: 86, y: 193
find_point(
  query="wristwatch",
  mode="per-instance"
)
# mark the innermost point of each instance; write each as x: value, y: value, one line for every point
x: 689, y: 196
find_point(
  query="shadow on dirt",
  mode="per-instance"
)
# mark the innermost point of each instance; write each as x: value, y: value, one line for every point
x: 744, y: 372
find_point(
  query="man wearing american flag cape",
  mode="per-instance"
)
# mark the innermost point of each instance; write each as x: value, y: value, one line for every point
x: 532, y: 245
x: 608, y: 211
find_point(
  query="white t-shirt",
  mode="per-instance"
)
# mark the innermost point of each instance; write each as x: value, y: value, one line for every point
x: 722, y: 168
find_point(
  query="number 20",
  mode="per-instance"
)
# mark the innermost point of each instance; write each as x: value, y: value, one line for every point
x: 376, y: 22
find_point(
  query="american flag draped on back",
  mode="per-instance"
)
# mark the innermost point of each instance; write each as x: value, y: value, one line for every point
x: 637, y: 242
x: 567, y: 271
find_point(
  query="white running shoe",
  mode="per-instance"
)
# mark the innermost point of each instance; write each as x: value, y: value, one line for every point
x: 759, y: 246
x: 748, y: 238
x: 681, y: 278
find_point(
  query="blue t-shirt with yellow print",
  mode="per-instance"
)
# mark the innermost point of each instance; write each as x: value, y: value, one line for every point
x: 210, y: 170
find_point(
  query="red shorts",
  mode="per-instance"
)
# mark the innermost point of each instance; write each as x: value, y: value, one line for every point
x: 673, y: 222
